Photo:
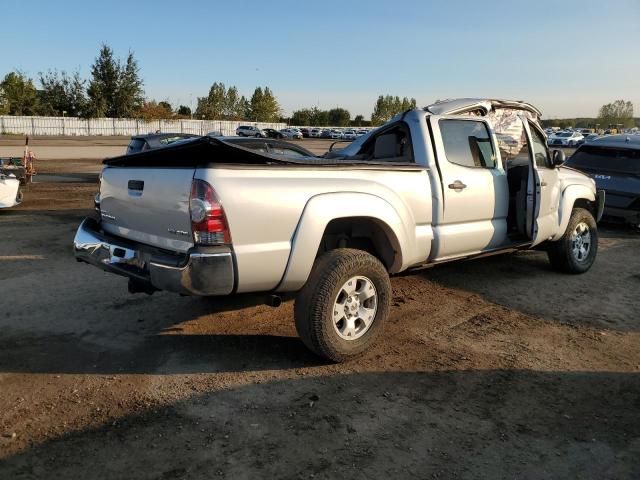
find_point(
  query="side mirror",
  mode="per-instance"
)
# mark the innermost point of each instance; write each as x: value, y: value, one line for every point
x: 558, y: 158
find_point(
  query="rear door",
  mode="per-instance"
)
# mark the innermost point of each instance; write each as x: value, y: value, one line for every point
x: 474, y: 185
x: 148, y: 205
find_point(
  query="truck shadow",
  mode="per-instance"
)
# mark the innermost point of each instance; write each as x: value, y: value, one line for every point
x: 155, y: 354
x: 462, y: 424
x: 604, y: 297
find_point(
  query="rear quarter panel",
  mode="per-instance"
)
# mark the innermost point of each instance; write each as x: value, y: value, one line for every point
x: 264, y: 207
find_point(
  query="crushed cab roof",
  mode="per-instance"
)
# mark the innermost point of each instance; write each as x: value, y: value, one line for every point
x: 464, y: 105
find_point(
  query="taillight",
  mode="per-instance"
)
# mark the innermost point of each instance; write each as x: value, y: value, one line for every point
x: 208, y: 221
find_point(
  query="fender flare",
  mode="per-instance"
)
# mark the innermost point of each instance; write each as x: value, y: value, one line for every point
x: 322, y: 209
x: 568, y: 199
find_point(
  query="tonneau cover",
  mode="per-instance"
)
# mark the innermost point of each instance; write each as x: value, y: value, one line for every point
x: 204, y: 151
x: 193, y: 153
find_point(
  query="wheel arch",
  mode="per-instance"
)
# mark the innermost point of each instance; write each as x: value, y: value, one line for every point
x: 345, y: 219
x: 574, y: 196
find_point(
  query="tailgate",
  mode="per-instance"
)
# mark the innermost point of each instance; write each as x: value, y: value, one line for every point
x: 148, y: 205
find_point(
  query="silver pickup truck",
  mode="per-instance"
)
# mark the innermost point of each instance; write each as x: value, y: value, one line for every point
x: 455, y: 180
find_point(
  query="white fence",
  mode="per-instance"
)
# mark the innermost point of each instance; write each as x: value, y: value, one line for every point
x: 118, y: 126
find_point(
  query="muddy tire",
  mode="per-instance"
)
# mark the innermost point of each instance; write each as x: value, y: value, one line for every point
x: 576, y: 251
x: 342, y: 308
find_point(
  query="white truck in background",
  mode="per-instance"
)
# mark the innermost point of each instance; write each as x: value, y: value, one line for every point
x: 455, y: 180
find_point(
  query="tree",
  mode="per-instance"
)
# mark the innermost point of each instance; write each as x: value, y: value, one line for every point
x: 244, y: 107
x: 129, y: 93
x: 235, y: 105
x: 302, y: 117
x: 339, y: 117
x: 357, y: 121
x: 167, y: 106
x: 618, y: 112
x: 319, y: 117
x: 153, y: 110
x: 184, y: 111
x: 315, y: 117
x: 4, y: 104
x: 62, y: 94
x: 264, y: 106
x: 387, y: 106
x: 103, y: 86
x: 19, y: 95
x: 213, y: 106
x: 114, y: 90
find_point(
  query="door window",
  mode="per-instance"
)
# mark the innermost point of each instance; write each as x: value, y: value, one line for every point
x: 467, y: 143
x: 540, y: 152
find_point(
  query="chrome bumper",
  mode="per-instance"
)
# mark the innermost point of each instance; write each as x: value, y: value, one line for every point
x: 200, y: 272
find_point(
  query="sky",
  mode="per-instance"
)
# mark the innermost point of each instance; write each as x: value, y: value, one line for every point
x: 566, y: 57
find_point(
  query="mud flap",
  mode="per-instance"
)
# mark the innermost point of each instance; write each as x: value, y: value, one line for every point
x: 600, y: 196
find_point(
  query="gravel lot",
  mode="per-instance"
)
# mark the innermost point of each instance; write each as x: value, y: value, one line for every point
x: 495, y: 368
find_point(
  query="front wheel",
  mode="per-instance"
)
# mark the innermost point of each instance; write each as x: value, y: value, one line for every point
x: 576, y: 250
x: 342, y: 308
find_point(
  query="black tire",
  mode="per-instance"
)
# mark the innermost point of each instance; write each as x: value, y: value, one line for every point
x: 561, y: 253
x: 314, y: 305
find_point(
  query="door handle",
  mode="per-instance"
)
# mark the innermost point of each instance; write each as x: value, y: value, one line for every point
x: 457, y: 185
x: 543, y: 184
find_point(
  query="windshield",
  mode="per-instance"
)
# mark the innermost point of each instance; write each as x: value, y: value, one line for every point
x: 563, y: 135
x: 620, y: 160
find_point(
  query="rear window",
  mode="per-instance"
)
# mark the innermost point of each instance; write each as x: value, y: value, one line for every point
x: 620, y: 160
x: 135, y: 145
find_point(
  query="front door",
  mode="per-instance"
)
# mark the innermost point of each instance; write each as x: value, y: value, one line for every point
x: 546, y: 186
x: 474, y: 187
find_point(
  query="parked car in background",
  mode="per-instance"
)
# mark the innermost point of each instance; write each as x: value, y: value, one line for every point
x: 249, y: 131
x: 588, y: 138
x: 315, y: 132
x: 10, y: 193
x: 291, y: 133
x: 359, y: 133
x: 349, y: 135
x: 272, y: 133
x: 326, y: 133
x: 140, y: 143
x: 565, y: 139
x: 335, y: 133
x: 614, y: 163
x: 305, y: 132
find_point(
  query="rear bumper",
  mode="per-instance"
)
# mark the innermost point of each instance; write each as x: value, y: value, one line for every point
x: 202, y: 272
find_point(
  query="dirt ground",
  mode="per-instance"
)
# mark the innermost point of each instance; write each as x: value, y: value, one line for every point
x: 494, y: 368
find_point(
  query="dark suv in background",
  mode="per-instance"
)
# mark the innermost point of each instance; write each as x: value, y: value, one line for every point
x: 614, y: 163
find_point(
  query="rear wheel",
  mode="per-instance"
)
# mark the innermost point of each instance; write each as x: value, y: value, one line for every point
x: 342, y: 308
x: 576, y: 251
